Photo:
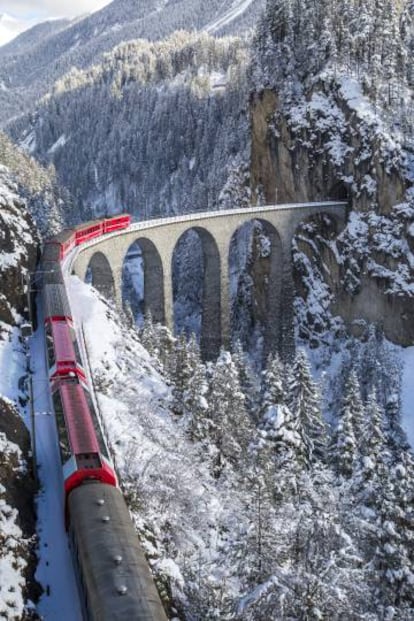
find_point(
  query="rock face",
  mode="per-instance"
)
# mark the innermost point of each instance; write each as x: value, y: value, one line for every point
x: 17, y: 518
x: 323, y: 149
x: 19, y: 242
x: 18, y: 248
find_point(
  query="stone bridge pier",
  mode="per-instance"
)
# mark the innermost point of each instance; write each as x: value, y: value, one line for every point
x: 158, y: 239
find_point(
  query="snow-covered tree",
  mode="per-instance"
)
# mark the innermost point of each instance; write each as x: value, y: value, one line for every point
x: 231, y: 427
x: 343, y: 446
x: 274, y: 389
x: 395, y: 531
x: 304, y: 403
x: 349, y: 428
x: 148, y: 335
x: 374, y: 453
x: 247, y: 379
x: 196, y: 409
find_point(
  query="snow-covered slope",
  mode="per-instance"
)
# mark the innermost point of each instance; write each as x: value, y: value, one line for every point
x: 17, y: 540
x: 18, y: 249
x: 31, y: 37
x: 173, y: 114
x: 32, y: 62
x: 232, y: 539
x: 236, y: 9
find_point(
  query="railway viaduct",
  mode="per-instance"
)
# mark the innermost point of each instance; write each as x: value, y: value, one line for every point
x: 158, y: 239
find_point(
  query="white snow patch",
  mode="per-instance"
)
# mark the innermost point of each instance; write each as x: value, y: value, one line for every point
x: 12, y: 565
x: 29, y: 143
x: 60, y: 142
x: 12, y: 362
x: 237, y: 8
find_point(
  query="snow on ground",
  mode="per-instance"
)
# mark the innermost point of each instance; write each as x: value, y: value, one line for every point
x: 12, y: 565
x: 12, y: 361
x: 60, y: 142
x: 238, y: 8
x: 407, y: 356
x: 60, y: 600
x: 169, y: 485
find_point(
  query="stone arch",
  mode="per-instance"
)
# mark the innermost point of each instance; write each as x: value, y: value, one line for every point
x: 100, y: 275
x: 210, y: 324
x: 257, y: 284
x: 153, y: 275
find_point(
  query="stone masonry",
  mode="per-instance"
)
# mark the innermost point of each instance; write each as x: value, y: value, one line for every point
x: 158, y: 238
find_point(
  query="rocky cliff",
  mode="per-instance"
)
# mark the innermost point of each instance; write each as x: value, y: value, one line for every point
x: 18, y: 248
x: 324, y: 148
x: 19, y: 239
x: 18, y: 588
x: 332, y: 117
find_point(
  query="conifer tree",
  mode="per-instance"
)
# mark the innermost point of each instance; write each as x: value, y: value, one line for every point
x: 274, y: 391
x: 374, y: 454
x: 304, y: 403
x: 231, y: 427
x: 181, y: 366
x: 343, y: 446
x: 247, y: 380
x: 196, y: 407
x: 148, y: 336
x: 354, y: 401
x: 349, y: 427
x: 395, y: 533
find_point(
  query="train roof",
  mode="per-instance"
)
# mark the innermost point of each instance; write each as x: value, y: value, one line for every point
x: 51, y: 272
x: 78, y: 418
x: 115, y: 571
x: 61, y: 238
x: 56, y: 303
x: 62, y: 341
x: 51, y: 251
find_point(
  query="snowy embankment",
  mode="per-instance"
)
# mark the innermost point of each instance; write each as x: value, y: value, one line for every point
x: 12, y: 563
x: 184, y: 518
x: 17, y: 545
x: 12, y: 580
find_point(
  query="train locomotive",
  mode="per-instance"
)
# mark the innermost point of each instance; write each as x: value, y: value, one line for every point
x: 113, y: 575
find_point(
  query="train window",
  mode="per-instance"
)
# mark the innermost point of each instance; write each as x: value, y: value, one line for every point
x: 97, y: 426
x: 51, y: 358
x: 75, y: 345
x: 88, y: 460
x: 62, y: 433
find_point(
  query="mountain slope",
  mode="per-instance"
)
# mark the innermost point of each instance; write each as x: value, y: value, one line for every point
x: 333, y: 114
x: 19, y: 240
x: 32, y: 62
x: 161, y: 125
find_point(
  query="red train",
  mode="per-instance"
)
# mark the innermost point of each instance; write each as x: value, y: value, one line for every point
x: 61, y: 244
x: 83, y: 450
x: 113, y: 574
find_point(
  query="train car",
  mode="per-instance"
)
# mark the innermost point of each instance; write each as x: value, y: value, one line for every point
x: 114, y: 576
x: 88, y: 230
x: 55, y: 302
x: 56, y: 248
x: 83, y: 451
x: 63, y: 355
x: 117, y: 223
x: 62, y: 350
x: 51, y: 273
